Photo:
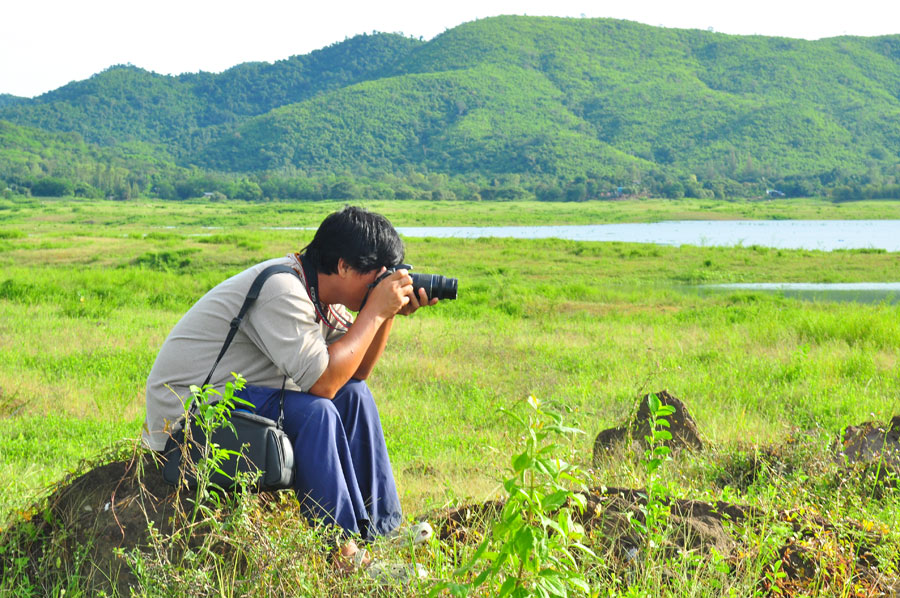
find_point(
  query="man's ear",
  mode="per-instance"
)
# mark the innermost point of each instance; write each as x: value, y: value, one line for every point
x: 343, y: 267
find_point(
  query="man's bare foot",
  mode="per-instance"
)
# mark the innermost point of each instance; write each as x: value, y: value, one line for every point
x: 350, y: 557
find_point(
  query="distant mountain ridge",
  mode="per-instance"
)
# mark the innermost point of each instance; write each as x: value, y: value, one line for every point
x: 127, y: 103
x: 547, y: 100
x: 10, y: 100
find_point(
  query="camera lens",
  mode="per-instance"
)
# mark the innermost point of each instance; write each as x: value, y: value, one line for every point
x: 435, y: 285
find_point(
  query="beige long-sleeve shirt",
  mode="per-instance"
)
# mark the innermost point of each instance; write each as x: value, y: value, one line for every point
x: 278, y: 337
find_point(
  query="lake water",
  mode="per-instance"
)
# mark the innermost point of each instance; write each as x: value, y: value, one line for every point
x: 825, y: 235
x: 860, y: 292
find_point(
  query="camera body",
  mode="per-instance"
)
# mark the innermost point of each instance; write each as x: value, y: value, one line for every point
x: 435, y: 285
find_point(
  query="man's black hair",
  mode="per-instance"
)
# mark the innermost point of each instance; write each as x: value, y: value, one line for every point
x: 366, y: 240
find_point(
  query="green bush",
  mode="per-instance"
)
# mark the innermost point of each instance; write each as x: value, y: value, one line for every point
x: 52, y: 187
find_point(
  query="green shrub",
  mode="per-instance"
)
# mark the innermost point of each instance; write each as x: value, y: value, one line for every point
x: 166, y: 261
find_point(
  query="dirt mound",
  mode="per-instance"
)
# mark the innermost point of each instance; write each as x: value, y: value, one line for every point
x: 82, y: 529
x: 696, y: 525
x: 873, y: 444
x: 89, y: 517
x: 814, y: 555
x: 466, y: 523
x: 743, y: 464
x: 681, y: 425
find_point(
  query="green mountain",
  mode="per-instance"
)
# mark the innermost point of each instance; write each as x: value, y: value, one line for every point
x: 127, y: 103
x: 567, y: 97
x: 564, y: 108
x: 464, y: 121
x: 9, y: 100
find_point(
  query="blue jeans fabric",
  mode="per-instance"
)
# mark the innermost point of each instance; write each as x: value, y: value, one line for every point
x: 343, y: 474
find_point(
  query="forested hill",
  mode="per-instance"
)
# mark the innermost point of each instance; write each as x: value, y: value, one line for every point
x: 545, y: 104
x: 127, y: 103
x: 8, y: 100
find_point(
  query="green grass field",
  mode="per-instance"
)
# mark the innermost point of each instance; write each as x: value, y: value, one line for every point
x: 81, y: 215
x: 88, y: 291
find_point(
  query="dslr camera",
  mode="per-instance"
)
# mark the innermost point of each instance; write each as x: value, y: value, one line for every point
x: 435, y: 285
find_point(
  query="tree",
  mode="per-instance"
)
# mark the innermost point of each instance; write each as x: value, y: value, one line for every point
x: 52, y: 187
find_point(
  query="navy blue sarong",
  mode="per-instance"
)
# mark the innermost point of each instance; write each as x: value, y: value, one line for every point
x: 343, y: 473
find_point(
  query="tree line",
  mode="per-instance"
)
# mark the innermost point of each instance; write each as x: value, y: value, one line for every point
x: 119, y: 184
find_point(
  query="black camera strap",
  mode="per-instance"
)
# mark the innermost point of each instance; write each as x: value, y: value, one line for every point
x: 312, y: 286
x: 251, y: 297
x: 311, y: 280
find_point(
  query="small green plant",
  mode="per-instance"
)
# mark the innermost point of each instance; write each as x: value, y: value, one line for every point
x: 213, y: 409
x: 656, y: 509
x: 215, y: 513
x: 770, y: 541
x: 530, y: 550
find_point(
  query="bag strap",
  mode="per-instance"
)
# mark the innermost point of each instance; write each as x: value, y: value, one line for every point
x: 252, y: 295
x: 280, y: 422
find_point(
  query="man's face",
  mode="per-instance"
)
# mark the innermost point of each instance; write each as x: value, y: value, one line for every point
x: 356, y: 286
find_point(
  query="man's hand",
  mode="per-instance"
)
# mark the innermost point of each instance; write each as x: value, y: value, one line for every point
x: 391, y: 294
x: 416, y: 302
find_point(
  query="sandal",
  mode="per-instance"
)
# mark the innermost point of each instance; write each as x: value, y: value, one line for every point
x: 416, y: 534
x: 396, y: 573
x: 420, y: 532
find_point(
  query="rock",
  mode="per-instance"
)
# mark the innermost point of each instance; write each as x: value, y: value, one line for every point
x: 681, y: 426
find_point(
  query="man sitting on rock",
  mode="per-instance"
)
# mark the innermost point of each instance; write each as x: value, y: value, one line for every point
x: 300, y: 334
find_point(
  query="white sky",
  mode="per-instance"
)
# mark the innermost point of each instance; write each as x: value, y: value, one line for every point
x: 45, y: 44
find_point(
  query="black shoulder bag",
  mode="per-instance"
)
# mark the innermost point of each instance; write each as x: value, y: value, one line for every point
x: 261, y: 442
